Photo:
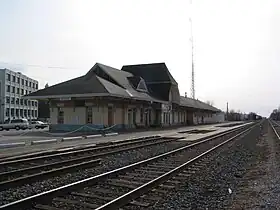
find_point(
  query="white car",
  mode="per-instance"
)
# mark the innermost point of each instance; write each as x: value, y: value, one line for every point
x: 38, y: 124
x: 14, y: 124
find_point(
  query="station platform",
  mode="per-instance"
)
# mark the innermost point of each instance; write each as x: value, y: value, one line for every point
x: 189, y: 133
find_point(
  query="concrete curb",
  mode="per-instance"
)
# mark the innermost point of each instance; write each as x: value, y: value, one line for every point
x: 93, y: 136
x: 35, y: 142
x: 72, y: 138
x: 111, y: 134
x: 14, y: 144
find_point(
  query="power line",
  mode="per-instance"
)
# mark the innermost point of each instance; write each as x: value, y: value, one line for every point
x: 37, y: 66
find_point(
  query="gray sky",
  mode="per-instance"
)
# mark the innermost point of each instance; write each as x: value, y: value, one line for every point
x: 237, y: 44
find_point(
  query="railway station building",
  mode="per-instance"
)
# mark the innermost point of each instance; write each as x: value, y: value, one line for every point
x: 136, y: 96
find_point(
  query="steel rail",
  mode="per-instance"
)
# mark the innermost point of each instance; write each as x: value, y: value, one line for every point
x: 78, y: 151
x: 46, y: 196
x: 77, y: 162
x: 273, y: 128
x: 133, y: 194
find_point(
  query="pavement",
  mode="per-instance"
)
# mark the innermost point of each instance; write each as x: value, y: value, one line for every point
x: 50, y: 145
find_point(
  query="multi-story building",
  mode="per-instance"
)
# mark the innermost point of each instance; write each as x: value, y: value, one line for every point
x: 14, y: 85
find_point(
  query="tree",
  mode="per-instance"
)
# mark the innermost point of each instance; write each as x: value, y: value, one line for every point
x: 211, y: 103
x: 47, y: 85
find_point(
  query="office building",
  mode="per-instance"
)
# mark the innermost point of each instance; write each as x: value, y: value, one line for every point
x: 14, y: 85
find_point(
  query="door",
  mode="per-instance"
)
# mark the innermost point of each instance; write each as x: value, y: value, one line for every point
x: 129, y: 116
x: 110, y: 115
x: 134, y: 116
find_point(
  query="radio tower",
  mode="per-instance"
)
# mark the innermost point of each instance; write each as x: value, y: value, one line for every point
x: 191, y: 39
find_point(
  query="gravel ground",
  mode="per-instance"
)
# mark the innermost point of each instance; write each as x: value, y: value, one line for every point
x: 260, y: 188
x: 216, y: 186
x: 107, y: 163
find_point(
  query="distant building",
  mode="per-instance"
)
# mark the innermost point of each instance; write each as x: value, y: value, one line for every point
x: 13, y: 85
x: 144, y: 95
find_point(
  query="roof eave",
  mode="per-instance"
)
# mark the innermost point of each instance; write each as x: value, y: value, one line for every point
x: 73, y: 96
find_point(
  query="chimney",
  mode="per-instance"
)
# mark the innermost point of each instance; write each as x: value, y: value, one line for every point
x: 186, y: 95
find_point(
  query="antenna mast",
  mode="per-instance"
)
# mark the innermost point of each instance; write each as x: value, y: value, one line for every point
x: 191, y: 39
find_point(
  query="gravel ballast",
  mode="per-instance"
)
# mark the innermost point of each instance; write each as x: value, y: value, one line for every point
x: 216, y: 186
x: 108, y: 163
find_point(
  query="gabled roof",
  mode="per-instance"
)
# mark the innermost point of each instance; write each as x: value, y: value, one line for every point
x: 102, y: 80
x: 151, y: 73
x: 119, y: 76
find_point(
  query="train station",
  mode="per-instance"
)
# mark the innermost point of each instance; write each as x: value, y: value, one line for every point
x: 148, y: 105
x: 136, y: 96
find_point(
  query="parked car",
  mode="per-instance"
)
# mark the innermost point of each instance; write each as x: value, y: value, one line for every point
x: 15, y: 124
x: 38, y: 124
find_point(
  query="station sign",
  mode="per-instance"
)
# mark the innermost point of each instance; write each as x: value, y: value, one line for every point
x: 65, y: 99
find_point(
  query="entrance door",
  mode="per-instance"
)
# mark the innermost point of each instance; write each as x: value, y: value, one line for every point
x: 110, y: 116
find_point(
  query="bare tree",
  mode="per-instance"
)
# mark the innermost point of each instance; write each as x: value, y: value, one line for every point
x: 47, y: 85
x: 211, y: 103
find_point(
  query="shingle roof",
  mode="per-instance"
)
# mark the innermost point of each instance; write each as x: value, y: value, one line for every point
x: 79, y: 85
x: 192, y: 103
x: 119, y: 76
x: 154, y: 72
x: 118, y: 84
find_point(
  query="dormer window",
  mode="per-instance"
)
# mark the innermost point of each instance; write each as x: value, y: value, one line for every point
x: 142, y: 86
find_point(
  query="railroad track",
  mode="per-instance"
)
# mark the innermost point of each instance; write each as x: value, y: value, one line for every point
x: 27, y: 170
x: 275, y: 126
x: 122, y: 186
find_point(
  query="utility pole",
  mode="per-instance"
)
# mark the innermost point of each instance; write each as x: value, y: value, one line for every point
x: 191, y: 39
x: 227, y: 111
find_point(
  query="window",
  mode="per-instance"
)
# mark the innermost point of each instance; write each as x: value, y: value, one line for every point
x: 17, y: 90
x: 12, y: 100
x: 36, y: 86
x: 35, y: 114
x: 142, y: 86
x: 28, y: 103
x: 7, y: 100
x: 25, y: 102
x: 8, y: 88
x: 8, y: 77
x: 32, y: 113
x: 26, y: 92
x: 32, y: 103
x: 89, y: 115
x: 21, y: 113
x: 35, y: 103
x: 29, y: 92
x: 22, y: 81
x: 13, y: 89
x: 17, y: 101
x: 12, y: 112
x: 141, y: 115
x: 29, y: 84
x: 28, y: 112
x: 33, y: 85
x: 60, y: 117
x: 7, y: 112
x: 18, y: 80
x: 22, y: 92
x: 21, y: 101
x: 14, y: 78
x: 17, y: 112
x: 26, y: 83
x: 25, y: 112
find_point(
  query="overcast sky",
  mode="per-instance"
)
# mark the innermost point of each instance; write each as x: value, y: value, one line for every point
x: 237, y: 43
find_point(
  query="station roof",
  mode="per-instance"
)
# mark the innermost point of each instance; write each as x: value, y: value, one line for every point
x: 102, y: 80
